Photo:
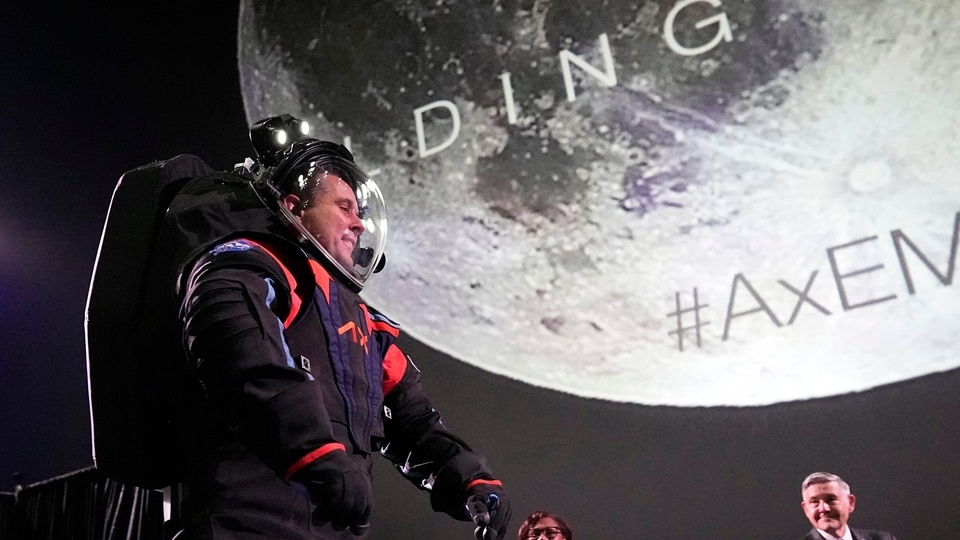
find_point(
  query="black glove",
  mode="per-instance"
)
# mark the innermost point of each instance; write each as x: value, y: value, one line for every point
x: 488, y: 507
x: 343, y: 494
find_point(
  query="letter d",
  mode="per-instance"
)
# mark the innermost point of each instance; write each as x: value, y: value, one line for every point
x: 421, y: 139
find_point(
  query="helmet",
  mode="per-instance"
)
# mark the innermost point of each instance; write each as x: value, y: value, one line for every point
x: 290, y: 163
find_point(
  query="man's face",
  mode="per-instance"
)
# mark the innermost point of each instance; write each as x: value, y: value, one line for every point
x: 828, y: 507
x: 331, y: 217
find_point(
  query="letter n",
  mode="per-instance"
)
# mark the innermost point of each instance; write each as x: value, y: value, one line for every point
x: 609, y: 78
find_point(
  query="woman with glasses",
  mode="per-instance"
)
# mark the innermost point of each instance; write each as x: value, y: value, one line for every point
x: 542, y: 524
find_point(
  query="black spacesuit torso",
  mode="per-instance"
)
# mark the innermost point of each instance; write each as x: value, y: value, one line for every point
x: 293, y: 365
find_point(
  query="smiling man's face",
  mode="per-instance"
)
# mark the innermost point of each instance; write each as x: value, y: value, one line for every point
x: 828, y: 507
x: 331, y: 216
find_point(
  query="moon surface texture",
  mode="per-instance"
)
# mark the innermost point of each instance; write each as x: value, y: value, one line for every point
x: 684, y: 203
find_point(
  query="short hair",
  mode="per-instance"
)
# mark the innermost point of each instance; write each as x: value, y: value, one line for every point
x: 297, y: 170
x: 532, y: 520
x: 309, y: 185
x: 823, y: 478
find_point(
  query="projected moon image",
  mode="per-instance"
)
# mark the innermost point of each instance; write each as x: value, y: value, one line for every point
x: 684, y: 203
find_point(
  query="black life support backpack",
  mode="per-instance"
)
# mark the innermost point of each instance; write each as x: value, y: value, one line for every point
x: 161, y: 216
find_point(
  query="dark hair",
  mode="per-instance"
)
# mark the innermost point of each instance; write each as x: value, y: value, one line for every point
x: 301, y: 160
x: 532, y: 520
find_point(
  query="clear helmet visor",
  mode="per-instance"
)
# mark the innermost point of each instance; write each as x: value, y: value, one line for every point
x: 342, y: 216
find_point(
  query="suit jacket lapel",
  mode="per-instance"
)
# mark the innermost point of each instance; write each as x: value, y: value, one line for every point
x: 814, y: 535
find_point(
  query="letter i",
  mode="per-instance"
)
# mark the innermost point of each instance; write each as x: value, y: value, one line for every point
x: 508, y: 96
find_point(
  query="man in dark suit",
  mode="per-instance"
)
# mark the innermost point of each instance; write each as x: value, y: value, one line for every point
x: 828, y: 503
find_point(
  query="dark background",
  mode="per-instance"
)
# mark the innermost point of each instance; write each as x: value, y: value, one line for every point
x: 89, y: 93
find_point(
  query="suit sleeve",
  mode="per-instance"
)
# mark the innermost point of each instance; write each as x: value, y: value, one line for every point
x: 233, y: 308
x: 420, y: 446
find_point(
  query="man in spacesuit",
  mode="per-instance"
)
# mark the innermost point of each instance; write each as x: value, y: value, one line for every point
x: 302, y: 380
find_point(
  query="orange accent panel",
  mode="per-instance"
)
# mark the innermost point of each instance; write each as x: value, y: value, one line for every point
x: 483, y: 481
x: 323, y: 278
x: 384, y: 327
x: 394, y: 366
x: 295, y: 300
x: 376, y: 326
x: 348, y: 327
x: 311, y: 457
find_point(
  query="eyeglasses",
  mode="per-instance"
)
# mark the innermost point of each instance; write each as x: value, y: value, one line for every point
x: 549, y: 532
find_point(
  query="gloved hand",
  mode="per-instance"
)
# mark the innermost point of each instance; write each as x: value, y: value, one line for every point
x: 489, y: 508
x: 343, y: 494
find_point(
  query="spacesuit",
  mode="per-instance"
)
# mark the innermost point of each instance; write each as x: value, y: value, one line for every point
x: 302, y: 383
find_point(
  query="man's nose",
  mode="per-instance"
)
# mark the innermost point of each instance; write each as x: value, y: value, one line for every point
x: 356, y: 224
